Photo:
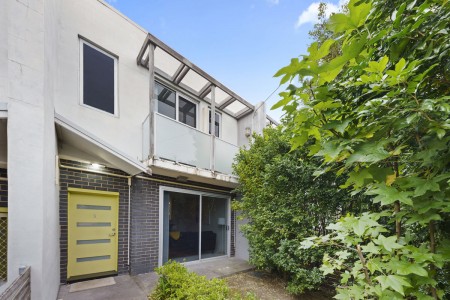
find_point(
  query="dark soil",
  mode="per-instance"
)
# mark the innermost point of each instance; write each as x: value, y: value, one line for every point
x: 266, y: 286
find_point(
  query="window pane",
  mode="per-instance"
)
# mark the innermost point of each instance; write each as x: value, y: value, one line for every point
x: 166, y: 101
x: 187, y: 112
x: 98, y: 79
x: 216, y: 125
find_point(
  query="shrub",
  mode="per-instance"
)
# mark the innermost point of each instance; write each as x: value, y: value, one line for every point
x: 176, y: 282
x: 285, y: 203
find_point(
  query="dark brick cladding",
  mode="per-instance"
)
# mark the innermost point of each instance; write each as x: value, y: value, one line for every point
x: 145, y: 221
x: 88, y: 180
x: 3, y: 188
x: 144, y: 213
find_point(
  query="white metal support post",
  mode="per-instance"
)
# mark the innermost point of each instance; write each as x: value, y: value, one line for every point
x: 151, y: 78
x: 212, y: 124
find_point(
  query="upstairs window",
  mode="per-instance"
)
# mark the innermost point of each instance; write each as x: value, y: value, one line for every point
x: 187, y: 112
x: 174, y: 106
x: 166, y: 101
x: 216, y: 124
x: 98, y: 78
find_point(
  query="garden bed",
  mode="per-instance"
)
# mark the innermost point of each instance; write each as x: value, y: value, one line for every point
x: 268, y: 286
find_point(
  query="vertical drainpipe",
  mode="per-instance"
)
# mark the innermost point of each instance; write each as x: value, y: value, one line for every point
x: 129, y: 221
x: 212, y: 125
x: 151, y: 95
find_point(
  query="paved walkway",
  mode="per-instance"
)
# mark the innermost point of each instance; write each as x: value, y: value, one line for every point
x: 138, y: 287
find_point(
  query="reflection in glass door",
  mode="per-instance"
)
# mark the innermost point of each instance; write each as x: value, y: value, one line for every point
x: 194, y: 226
x: 181, y: 226
x: 214, y: 226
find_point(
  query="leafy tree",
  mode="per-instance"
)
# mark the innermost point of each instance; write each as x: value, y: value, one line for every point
x: 380, y: 111
x: 286, y: 204
x: 320, y: 33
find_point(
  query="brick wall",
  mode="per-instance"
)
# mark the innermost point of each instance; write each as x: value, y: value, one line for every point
x: 3, y: 189
x: 144, y: 213
x: 145, y: 221
x: 89, y: 180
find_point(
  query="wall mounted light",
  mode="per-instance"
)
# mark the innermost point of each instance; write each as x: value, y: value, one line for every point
x: 97, y: 166
x: 248, y: 131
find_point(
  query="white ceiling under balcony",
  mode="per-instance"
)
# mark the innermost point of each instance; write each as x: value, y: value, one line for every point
x: 174, y: 67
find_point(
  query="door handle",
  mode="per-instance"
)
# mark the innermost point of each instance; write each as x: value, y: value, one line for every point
x: 113, y: 233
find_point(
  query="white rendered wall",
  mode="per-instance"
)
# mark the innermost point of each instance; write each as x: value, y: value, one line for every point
x: 3, y: 51
x: 33, y: 238
x: 105, y: 27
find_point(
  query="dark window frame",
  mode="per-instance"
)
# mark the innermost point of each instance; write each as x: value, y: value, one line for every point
x: 115, y: 58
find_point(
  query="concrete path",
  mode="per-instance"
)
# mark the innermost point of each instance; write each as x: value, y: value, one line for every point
x: 138, y: 287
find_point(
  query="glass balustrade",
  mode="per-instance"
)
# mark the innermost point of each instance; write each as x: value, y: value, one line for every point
x: 146, y: 138
x: 224, y: 156
x: 181, y: 143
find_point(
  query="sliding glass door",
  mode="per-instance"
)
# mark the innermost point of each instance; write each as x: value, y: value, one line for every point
x: 214, y: 226
x: 194, y: 225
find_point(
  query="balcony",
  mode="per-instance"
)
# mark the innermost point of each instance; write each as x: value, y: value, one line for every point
x: 177, y: 142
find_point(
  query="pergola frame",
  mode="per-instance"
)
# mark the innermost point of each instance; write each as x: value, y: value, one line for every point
x: 146, y: 57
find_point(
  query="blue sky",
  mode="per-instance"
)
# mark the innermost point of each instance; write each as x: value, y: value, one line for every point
x: 241, y: 43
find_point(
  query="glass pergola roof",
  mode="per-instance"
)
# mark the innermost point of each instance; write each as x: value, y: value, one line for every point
x: 174, y: 67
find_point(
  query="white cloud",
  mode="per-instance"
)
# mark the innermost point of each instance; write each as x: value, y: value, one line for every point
x: 310, y: 14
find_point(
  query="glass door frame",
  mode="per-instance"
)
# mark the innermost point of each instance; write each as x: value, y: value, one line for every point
x: 163, y: 189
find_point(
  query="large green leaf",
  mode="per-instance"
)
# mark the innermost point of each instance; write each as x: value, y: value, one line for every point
x: 395, y: 282
x: 389, y: 243
x: 388, y: 194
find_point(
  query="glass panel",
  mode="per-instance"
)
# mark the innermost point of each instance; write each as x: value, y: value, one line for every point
x: 214, y: 226
x: 98, y: 79
x: 89, y: 242
x: 94, y: 258
x: 216, y: 125
x: 181, y: 227
x: 93, y: 207
x: 165, y: 104
x: 224, y: 156
x: 93, y: 224
x: 178, y: 142
x: 187, y: 112
x: 146, y: 138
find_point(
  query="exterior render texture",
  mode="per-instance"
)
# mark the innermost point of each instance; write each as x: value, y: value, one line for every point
x: 115, y: 151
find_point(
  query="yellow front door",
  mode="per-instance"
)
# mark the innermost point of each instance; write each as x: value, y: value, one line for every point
x: 92, y: 233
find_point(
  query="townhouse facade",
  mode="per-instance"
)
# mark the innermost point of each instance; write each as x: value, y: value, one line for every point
x: 115, y: 150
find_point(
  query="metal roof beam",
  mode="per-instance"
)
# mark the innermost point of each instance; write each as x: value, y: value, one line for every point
x: 227, y: 102
x: 180, y: 73
x: 140, y: 56
x: 154, y: 40
x: 205, y: 90
x: 242, y: 113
